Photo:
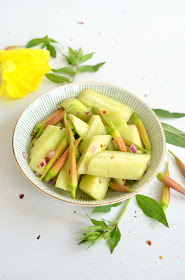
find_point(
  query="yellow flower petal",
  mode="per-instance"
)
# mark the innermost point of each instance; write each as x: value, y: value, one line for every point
x: 22, y: 70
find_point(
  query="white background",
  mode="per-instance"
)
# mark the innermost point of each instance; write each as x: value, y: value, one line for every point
x: 143, y: 44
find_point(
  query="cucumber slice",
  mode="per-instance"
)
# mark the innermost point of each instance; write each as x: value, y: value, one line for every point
x: 77, y: 108
x: 131, y: 134
x: 118, y: 165
x: 111, y: 146
x: 117, y: 120
x: 105, y: 103
x: 49, y: 140
x: 96, y: 127
x: 63, y: 178
x: 94, y: 186
x: 80, y: 126
x: 95, y: 145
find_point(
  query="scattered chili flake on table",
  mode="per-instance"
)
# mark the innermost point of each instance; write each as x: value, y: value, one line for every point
x: 145, y: 95
x: 74, y: 212
x: 149, y: 242
x: 38, y: 237
x: 160, y: 257
x: 21, y: 196
x: 80, y: 22
x: 112, y: 157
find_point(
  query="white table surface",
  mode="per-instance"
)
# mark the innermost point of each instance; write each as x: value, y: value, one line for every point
x: 143, y: 44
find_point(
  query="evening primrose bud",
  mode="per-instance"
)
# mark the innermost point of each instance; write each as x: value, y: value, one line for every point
x: 167, y: 181
x: 181, y: 165
x: 165, y: 194
x: 120, y: 188
x: 142, y: 132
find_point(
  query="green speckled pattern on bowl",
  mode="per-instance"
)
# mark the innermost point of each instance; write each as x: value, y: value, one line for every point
x: 49, y: 101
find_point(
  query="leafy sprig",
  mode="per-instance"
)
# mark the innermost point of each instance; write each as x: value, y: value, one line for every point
x: 74, y: 58
x: 46, y: 43
x: 106, y: 208
x: 102, y: 230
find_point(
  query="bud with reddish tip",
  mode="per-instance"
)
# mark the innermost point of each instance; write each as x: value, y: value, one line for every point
x: 120, y: 188
x: 117, y: 137
x: 142, y: 132
x: 181, y: 165
x: 165, y: 194
x: 167, y: 181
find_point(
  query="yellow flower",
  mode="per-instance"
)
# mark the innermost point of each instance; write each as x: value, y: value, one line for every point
x: 22, y: 70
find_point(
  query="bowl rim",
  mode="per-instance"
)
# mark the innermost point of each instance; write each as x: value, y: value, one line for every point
x: 91, y: 204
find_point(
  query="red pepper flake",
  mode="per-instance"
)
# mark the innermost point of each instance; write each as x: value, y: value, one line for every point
x: 21, y: 196
x: 104, y: 112
x: 149, y: 242
x: 74, y: 212
x: 101, y: 146
x: 135, y: 216
x: 145, y: 95
x: 80, y: 22
x: 38, y: 237
x: 161, y: 257
x: 112, y: 157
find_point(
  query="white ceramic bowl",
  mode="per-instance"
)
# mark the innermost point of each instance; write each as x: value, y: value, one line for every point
x: 49, y: 101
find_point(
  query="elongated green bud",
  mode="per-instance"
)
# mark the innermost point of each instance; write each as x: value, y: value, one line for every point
x: 128, y: 143
x: 179, y: 162
x: 57, y: 167
x: 165, y: 193
x: 167, y: 181
x: 120, y: 188
x: 44, y: 121
x: 59, y: 150
x: 117, y: 137
x: 73, y: 177
x: 53, y: 121
x: 142, y: 132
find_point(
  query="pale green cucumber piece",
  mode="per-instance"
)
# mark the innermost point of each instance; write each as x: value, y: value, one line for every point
x: 131, y: 134
x: 80, y: 126
x: 62, y: 181
x: 117, y: 120
x: 49, y: 140
x: 105, y: 103
x: 118, y: 165
x: 119, y: 181
x: 95, y: 145
x: 77, y: 108
x: 96, y: 127
x: 111, y: 146
x: 94, y: 186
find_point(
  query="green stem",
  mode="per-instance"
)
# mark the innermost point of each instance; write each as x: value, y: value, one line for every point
x: 123, y: 212
x: 74, y: 76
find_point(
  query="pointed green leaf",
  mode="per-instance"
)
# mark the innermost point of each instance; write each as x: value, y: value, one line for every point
x: 34, y: 42
x: 86, y: 57
x: 89, y: 68
x: 166, y: 114
x: 115, y: 237
x: 67, y: 70
x: 98, y: 223
x: 52, y: 41
x: 106, y: 208
x: 151, y: 208
x: 173, y: 135
x: 57, y: 79
x: 52, y: 50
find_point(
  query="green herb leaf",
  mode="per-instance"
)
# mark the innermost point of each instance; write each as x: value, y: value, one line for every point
x: 173, y: 135
x: 106, y: 208
x: 67, y: 70
x: 51, y: 49
x: 57, y: 79
x: 151, y: 208
x: 86, y: 57
x: 166, y: 114
x: 89, y: 68
x: 52, y: 41
x: 44, y: 45
x: 34, y: 42
x: 115, y: 237
x: 98, y: 223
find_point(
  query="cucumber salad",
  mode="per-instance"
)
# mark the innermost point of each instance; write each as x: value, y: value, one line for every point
x: 88, y: 144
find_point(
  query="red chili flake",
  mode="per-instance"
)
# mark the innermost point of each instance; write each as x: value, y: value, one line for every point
x: 74, y: 212
x: 104, y: 112
x: 21, y: 196
x: 38, y: 237
x: 42, y: 164
x: 149, y: 242
x: 112, y: 157
x: 135, y: 216
x: 161, y: 257
x: 101, y: 146
x: 145, y: 95
x: 69, y: 171
x: 80, y: 22
x: 61, y: 128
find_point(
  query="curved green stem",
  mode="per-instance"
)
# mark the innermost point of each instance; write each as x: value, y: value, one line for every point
x: 75, y: 73
x: 123, y: 212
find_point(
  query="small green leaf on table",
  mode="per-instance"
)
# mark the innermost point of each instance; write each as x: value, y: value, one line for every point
x: 173, y: 135
x: 166, y: 114
x: 56, y: 78
x: 106, y: 208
